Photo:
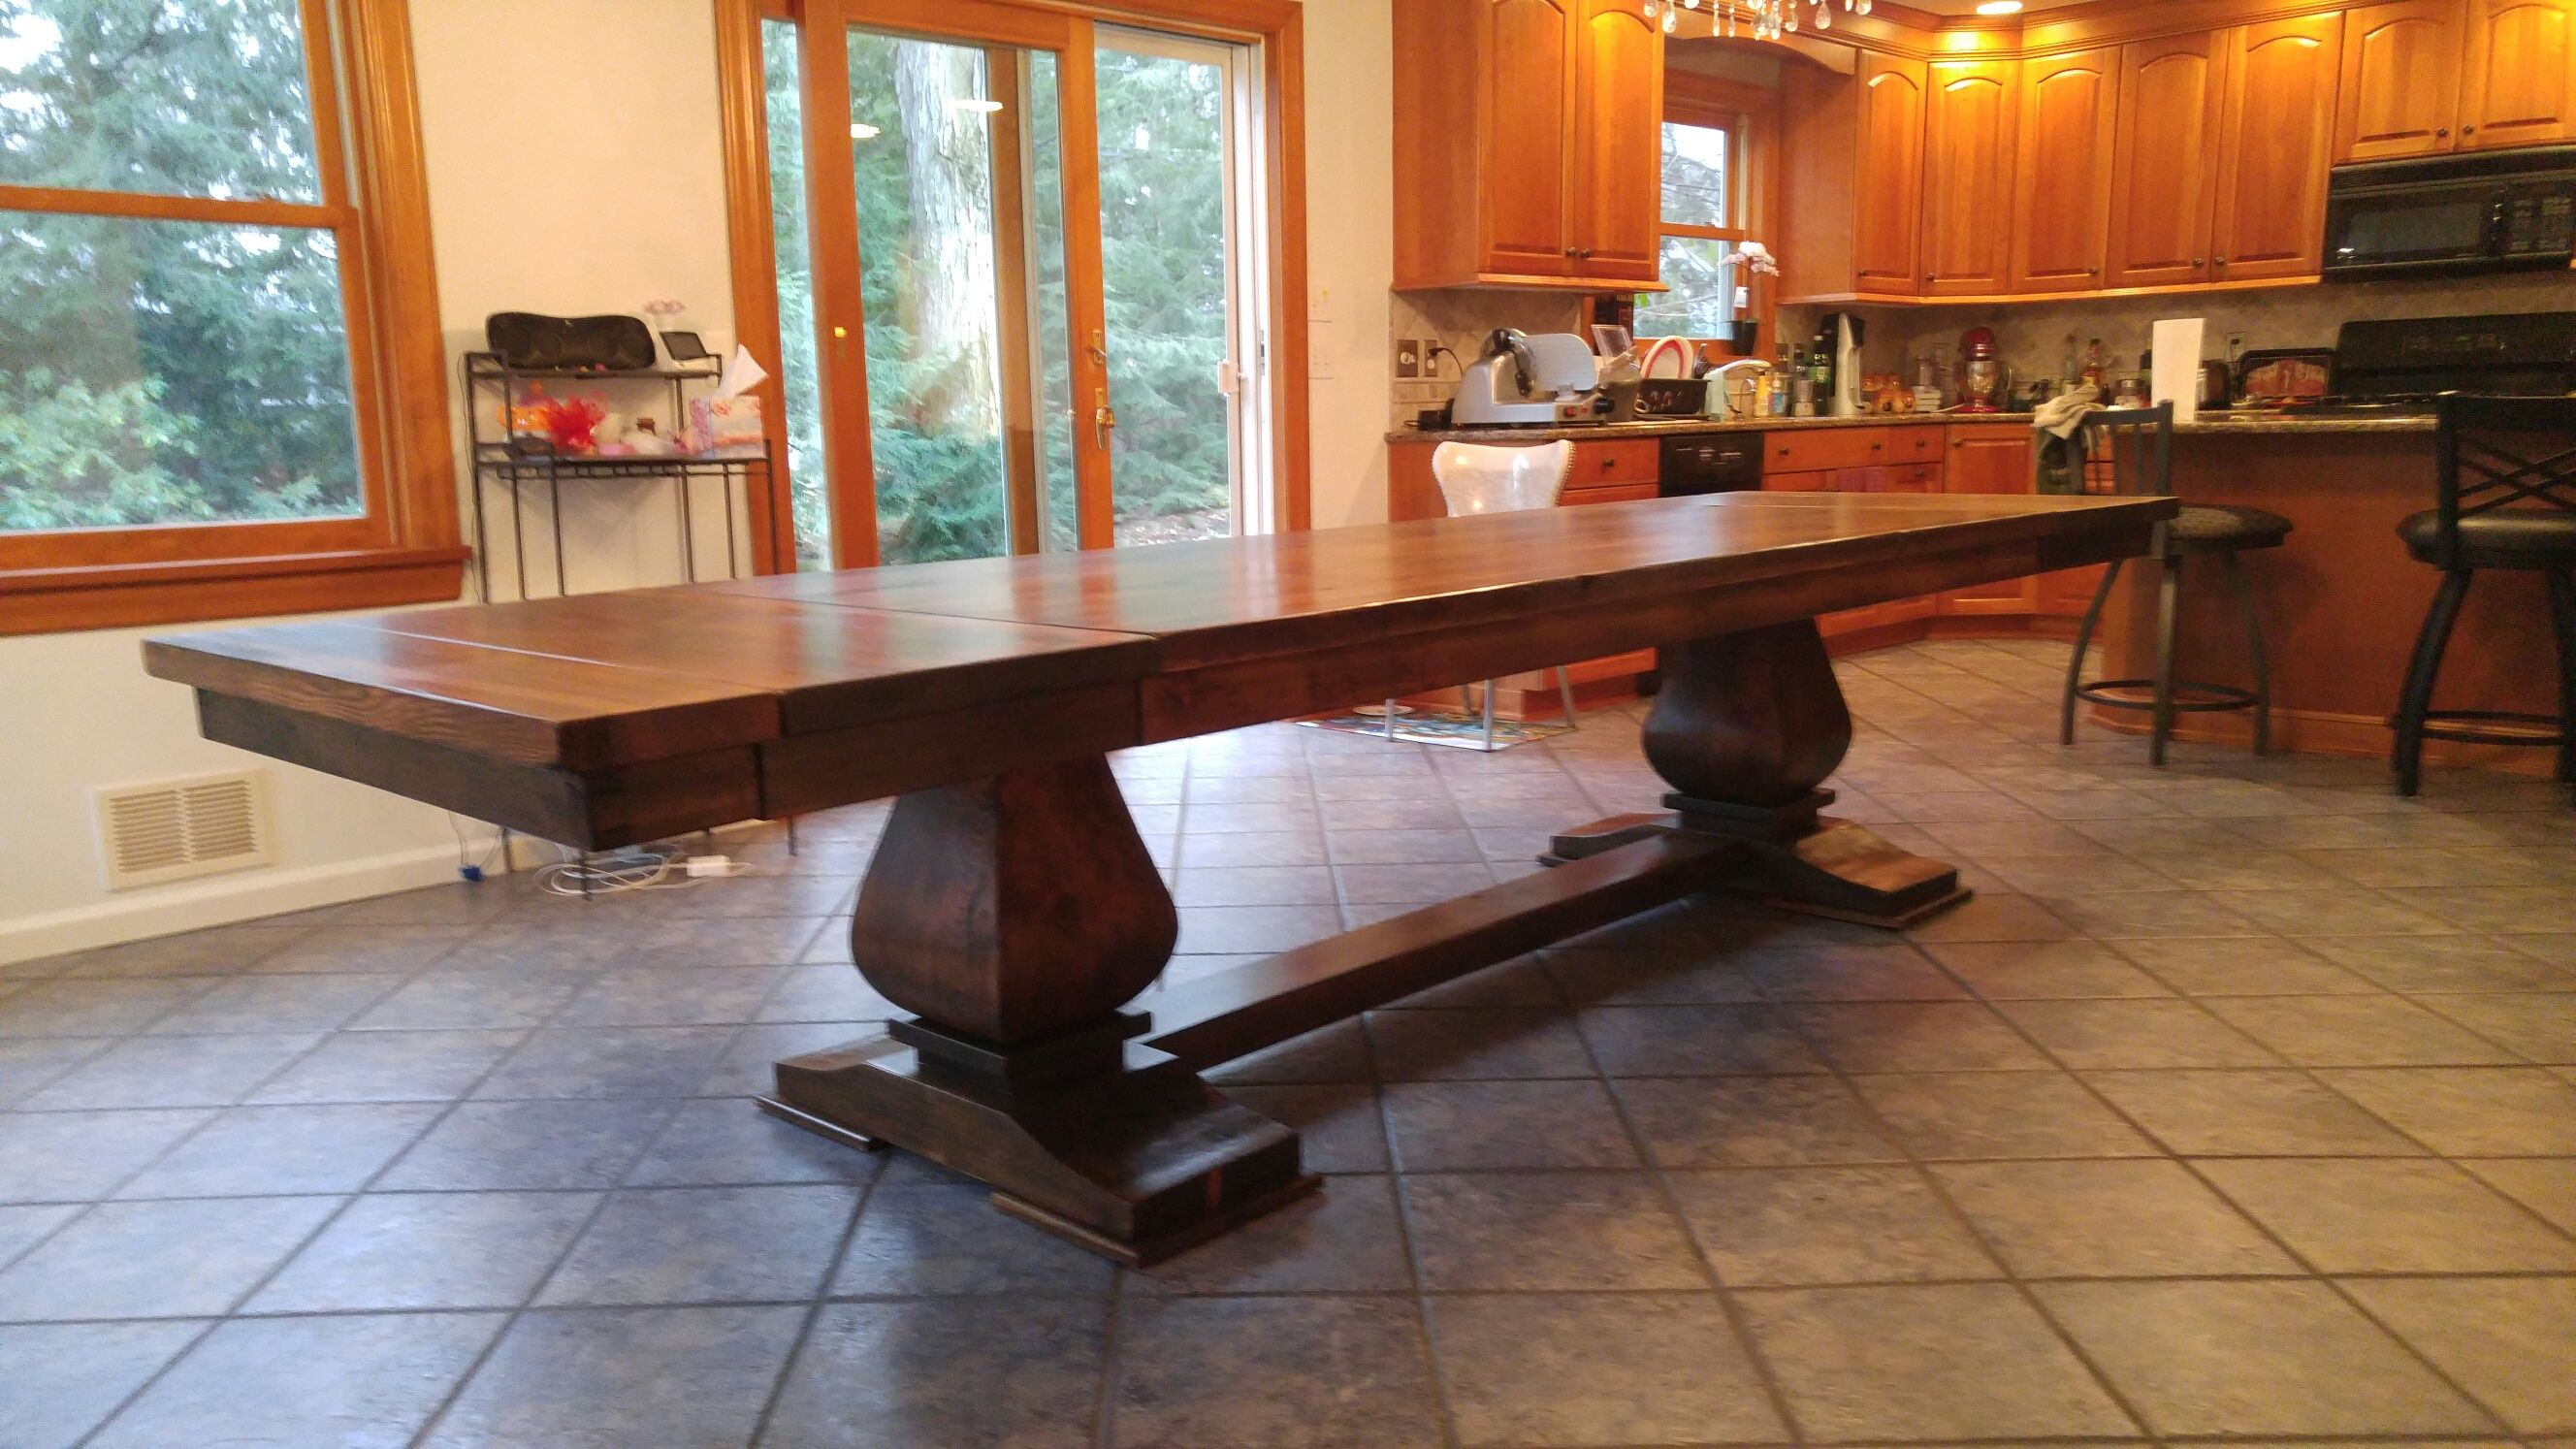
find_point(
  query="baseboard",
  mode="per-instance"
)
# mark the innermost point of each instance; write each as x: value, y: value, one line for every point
x: 221, y: 901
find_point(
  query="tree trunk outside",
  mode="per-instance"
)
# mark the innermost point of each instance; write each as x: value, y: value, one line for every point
x: 950, y: 286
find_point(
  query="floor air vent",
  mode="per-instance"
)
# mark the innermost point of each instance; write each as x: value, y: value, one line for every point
x: 174, y: 829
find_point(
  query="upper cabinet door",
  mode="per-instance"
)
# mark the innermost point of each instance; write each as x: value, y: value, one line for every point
x: 1615, y: 189
x: 2170, y: 103
x: 2276, y: 144
x: 2401, y: 80
x: 1527, y: 105
x: 1887, y: 204
x: 1968, y: 176
x: 2062, y: 183
x: 2519, y: 79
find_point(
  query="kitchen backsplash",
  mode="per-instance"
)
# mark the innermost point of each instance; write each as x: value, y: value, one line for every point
x: 1462, y: 319
x: 2033, y: 335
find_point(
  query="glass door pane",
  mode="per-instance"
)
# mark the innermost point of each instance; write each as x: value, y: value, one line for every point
x: 956, y: 151
x: 798, y: 372
x: 1181, y: 350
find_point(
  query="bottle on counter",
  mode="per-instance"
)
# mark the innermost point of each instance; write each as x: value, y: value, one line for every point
x: 2070, y: 368
x: 2097, y: 371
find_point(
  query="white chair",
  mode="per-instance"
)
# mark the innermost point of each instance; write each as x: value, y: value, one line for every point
x: 1475, y: 478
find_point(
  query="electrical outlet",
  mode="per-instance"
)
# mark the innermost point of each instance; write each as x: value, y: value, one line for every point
x: 1408, y: 358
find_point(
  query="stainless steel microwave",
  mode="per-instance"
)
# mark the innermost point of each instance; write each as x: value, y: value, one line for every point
x: 2500, y: 211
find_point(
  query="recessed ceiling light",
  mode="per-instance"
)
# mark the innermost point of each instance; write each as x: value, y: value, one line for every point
x: 1998, y: 7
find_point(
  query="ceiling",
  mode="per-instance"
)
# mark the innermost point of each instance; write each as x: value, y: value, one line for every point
x: 1969, y: 7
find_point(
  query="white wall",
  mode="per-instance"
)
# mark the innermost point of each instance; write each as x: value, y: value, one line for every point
x: 575, y: 166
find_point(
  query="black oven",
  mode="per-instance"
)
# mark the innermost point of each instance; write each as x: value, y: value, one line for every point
x: 2453, y: 215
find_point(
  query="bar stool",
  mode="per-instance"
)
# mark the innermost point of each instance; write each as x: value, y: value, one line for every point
x: 2494, y: 508
x: 1477, y: 478
x: 2131, y: 452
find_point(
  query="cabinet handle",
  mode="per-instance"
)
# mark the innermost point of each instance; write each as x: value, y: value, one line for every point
x: 2222, y: 261
x: 1875, y: 447
x: 2442, y: 133
x: 2468, y: 130
x: 2199, y: 262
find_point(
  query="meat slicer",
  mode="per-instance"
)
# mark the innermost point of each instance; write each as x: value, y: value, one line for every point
x: 1527, y: 381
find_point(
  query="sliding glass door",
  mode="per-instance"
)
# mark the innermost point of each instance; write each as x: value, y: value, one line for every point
x: 1022, y: 286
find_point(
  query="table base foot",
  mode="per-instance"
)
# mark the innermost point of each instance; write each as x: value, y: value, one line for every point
x: 1798, y: 860
x: 1136, y: 1164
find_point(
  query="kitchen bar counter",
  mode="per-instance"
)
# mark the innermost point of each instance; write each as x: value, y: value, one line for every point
x: 2209, y: 424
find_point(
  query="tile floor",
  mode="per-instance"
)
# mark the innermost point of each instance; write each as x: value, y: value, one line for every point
x: 2241, y: 1104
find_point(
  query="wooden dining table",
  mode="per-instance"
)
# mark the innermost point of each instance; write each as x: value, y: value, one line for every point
x: 1011, y: 907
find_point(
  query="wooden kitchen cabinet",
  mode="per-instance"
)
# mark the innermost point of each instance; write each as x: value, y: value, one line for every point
x: 2400, y: 93
x: 1989, y: 458
x: 2275, y: 146
x: 1528, y: 144
x: 1852, y: 211
x: 2064, y: 171
x: 2520, y: 83
x: 1969, y: 131
x: 2171, y: 101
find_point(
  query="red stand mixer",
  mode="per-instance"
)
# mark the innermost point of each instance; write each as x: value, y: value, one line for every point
x: 1981, y: 372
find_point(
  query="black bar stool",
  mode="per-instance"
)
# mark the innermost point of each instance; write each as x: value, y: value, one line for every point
x: 2505, y: 468
x: 2131, y: 452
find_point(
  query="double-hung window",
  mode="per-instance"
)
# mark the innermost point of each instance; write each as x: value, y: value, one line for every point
x: 1710, y: 197
x: 221, y: 384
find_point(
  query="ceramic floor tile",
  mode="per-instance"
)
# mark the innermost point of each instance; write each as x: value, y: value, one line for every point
x: 250, y: 1151
x: 2248, y: 1114
x: 28, y: 1063
x: 2509, y: 1341
x: 1457, y: 1126
x: 2542, y: 1028
x: 390, y: 1066
x: 472, y: 1000
x: 1543, y: 1232
x: 2383, y: 1216
x: 80, y: 1007
x: 2441, y: 964
x: 1802, y: 1226
x: 1916, y: 1037
x: 2094, y: 1035
x: 63, y: 1378
x: 2547, y: 1186
x: 612, y: 1062
x: 23, y: 1225
x: 1341, y: 1240
x: 623, y: 1376
x: 1569, y: 1370
x: 76, y: 1156
x: 2357, y: 1031
x: 2107, y: 1219
x: 2250, y: 1358
x: 1999, y: 1114
x: 705, y: 1245
x: 528, y: 1145
x: 1338, y: 1126
x: 171, y: 1071
x: 158, y: 1259
x: 2461, y: 1111
x: 1681, y: 1041
x: 362, y: 949
x: 1476, y: 1045
x: 312, y: 1383
x: 2243, y: 966
x: 950, y: 1240
x: 1292, y: 1373
x: 896, y: 1375
x: 1751, y: 1122
x: 2044, y: 970
x: 444, y: 1250
x: 670, y: 996
x: 1966, y: 1361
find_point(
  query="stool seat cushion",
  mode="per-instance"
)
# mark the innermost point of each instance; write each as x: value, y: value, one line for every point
x: 2509, y: 538
x: 2227, y: 525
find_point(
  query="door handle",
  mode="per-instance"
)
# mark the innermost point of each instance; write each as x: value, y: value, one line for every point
x: 1104, y: 418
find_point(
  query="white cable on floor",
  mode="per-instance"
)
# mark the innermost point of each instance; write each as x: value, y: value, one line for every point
x: 632, y: 870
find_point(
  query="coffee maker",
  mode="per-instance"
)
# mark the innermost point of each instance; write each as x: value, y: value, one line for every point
x: 1838, y: 336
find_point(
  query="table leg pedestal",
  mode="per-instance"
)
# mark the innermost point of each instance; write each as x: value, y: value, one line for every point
x: 1017, y: 915
x: 1747, y: 727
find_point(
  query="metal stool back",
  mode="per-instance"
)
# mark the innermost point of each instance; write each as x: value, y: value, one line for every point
x: 2130, y: 452
x: 2504, y: 497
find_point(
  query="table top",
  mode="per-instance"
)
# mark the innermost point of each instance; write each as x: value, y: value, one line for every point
x: 603, y: 682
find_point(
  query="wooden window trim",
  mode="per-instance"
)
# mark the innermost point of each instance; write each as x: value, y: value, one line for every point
x: 1750, y: 114
x: 1277, y: 26
x: 406, y: 549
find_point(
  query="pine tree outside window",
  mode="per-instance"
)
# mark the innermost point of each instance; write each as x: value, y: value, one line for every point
x: 221, y: 384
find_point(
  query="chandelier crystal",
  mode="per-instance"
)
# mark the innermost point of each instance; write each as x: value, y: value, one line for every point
x: 1760, y: 19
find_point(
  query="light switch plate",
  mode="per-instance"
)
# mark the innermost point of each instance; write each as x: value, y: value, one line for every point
x: 1408, y: 358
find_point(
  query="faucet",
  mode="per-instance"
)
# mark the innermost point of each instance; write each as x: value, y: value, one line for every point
x: 1718, y: 378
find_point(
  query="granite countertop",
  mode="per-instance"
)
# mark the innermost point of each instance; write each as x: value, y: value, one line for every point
x: 2208, y: 424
